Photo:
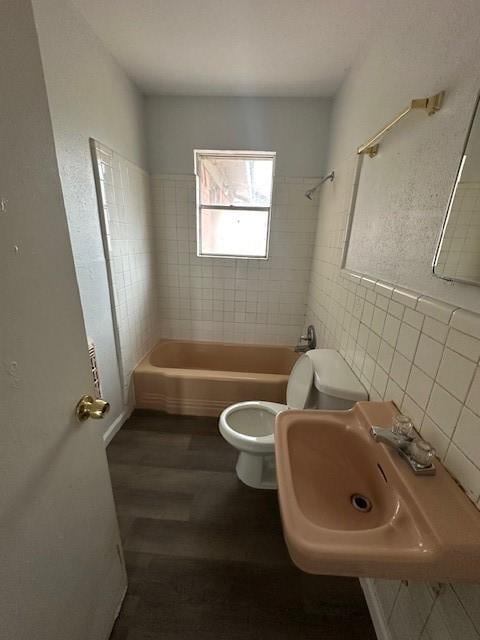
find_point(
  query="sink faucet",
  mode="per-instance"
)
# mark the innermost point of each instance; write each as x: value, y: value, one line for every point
x: 417, y: 452
x: 309, y: 340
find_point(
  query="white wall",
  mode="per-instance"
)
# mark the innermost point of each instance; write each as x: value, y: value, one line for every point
x: 411, y: 348
x: 296, y: 128
x: 89, y: 96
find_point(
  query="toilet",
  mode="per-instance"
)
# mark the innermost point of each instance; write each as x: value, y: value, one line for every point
x: 320, y: 379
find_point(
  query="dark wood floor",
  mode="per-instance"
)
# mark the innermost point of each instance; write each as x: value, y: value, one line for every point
x: 205, y: 554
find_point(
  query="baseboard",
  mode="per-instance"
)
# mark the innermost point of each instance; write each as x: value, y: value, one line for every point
x: 116, y: 425
x: 376, y: 612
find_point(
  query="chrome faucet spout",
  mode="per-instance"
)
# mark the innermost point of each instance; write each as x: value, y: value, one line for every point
x: 417, y: 452
x: 387, y: 436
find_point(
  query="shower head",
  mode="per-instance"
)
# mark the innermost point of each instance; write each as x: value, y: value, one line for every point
x: 310, y: 192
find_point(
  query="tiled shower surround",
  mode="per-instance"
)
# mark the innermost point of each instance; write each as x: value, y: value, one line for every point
x: 424, y: 355
x: 129, y: 250
x: 233, y: 300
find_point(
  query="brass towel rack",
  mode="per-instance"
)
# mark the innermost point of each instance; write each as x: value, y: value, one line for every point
x: 431, y: 105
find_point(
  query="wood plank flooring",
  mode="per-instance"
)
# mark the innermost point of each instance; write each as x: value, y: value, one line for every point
x: 205, y: 554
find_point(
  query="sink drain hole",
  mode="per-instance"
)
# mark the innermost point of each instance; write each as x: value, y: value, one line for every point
x: 361, y: 503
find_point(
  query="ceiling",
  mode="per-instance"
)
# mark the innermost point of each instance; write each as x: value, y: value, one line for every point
x: 234, y: 47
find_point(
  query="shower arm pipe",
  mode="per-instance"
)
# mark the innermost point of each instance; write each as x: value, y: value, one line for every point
x: 431, y: 105
x: 331, y: 177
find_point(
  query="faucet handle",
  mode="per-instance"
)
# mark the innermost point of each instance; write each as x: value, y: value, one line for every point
x: 403, y: 425
x: 422, y: 452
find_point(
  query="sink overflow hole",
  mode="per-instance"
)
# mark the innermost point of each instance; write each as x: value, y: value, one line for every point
x: 382, y: 472
x: 361, y: 503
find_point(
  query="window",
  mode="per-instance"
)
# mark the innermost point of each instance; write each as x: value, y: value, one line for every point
x: 234, y: 198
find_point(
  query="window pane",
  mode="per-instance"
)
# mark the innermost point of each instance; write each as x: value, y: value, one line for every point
x: 225, y: 180
x: 234, y: 233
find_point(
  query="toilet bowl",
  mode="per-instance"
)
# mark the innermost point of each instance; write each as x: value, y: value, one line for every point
x: 248, y: 426
x: 319, y: 379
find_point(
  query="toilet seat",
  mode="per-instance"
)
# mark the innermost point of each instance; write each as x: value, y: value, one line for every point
x: 250, y: 425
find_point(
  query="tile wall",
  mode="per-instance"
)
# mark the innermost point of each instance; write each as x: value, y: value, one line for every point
x: 424, y: 355
x: 252, y: 301
x: 127, y: 225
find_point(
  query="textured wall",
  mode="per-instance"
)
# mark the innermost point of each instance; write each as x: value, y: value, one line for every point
x: 410, y: 348
x: 256, y: 301
x: 89, y: 96
x: 296, y: 128
x: 403, y: 192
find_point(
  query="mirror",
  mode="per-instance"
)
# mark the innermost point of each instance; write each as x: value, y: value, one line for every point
x: 458, y: 252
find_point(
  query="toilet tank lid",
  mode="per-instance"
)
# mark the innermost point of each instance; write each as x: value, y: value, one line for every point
x: 334, y: 377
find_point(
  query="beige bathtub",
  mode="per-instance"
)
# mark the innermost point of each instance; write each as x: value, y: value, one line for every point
x: 202, y: 378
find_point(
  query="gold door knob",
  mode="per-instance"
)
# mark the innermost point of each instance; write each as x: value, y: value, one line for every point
x: 90, y: 407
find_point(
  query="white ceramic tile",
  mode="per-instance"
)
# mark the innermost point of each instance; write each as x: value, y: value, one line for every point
x: 384, y: 289
x: 467, y: 435
x: 396, y: 309
x: 394, y: 393
x: 391, y: 329
x: 380, y: 380
x: 411, y: 611
x: 455, y: 373
x: 435, y: 309
x: 408, y: 298
x: 444, y: 409
x: 387, y: 591
x: 413, y: 318
x: 473, y: 398
x: 428, y: 355
x: 435, y: 329
x: 413, y: 410
x: 464, y: 471
x: 466, y: 322
x: 385, y: 355
x: 373, y: 345
x: 433, y: 434
x: 368, y: 368
x: 449, y: 619
x: 464, y: 344
x: 368, y: 283
x: 469, y: 595
x: 400, y: 369
x: 419, y: 387
x: 378, y: 320
x: 407, y: 341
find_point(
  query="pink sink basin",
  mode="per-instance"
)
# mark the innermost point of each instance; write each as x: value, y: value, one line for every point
x: 351, y: 506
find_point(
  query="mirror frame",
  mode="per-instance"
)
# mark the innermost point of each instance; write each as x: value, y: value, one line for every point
x: 451, y: 198
x: 351, y: 210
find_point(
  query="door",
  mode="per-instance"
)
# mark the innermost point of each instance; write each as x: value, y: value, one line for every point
x: 61, y: 568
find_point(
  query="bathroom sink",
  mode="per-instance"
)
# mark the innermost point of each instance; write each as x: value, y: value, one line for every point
x: 351, y: 506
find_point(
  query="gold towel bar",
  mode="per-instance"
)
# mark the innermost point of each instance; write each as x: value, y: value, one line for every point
x: 431, y: 105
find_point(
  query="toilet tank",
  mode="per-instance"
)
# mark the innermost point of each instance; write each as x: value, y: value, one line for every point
x: 335, y: 386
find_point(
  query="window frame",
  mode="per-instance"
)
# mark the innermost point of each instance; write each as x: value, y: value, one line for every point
x: 244, y: 155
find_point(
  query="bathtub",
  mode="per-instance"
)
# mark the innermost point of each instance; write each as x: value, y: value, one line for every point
x: 202, y: 378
